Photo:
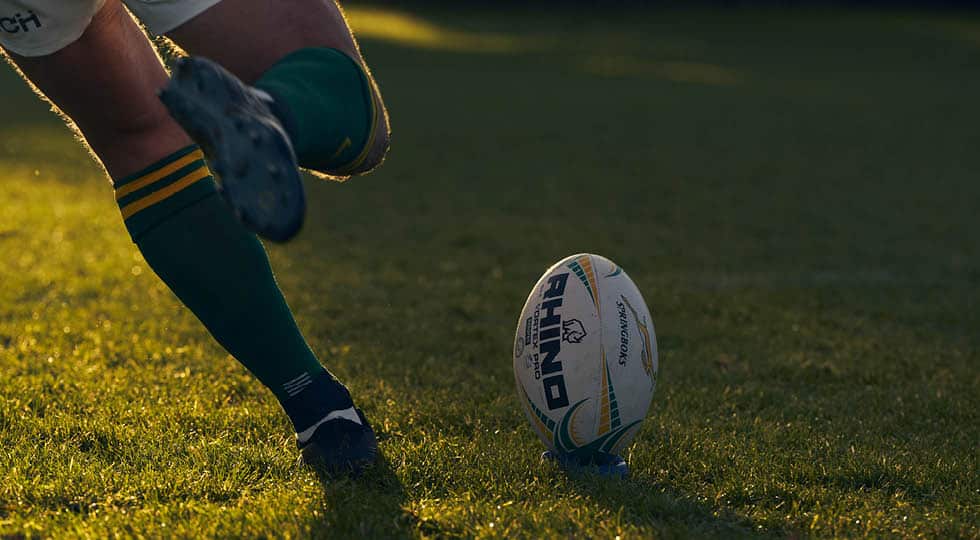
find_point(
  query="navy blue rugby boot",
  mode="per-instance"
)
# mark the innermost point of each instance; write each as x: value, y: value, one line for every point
x: 246, y: 144
x: 341, y: 444
x: 332, y: 434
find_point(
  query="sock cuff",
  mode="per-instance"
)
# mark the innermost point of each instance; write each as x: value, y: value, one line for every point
x: 150, y: 196
x: 325, y: 100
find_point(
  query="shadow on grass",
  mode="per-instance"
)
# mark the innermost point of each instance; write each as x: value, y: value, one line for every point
x: 644, y: 503
x: 370, y: 506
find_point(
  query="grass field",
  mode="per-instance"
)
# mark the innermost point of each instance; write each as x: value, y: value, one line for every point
x: 795, y: 193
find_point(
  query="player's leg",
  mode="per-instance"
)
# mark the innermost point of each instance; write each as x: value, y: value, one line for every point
x: 302, y: 53
x: 103, y: 76
x: 106, y: 81
x: 298, y: 59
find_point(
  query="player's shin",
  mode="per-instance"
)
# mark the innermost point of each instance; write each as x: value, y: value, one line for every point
x: 219, y: 270
x: 326, y: 102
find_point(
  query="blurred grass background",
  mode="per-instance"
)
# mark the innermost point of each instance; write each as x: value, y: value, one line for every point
x: 793, y: 190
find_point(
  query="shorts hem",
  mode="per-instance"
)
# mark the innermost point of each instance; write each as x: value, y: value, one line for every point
x: 59, y: 41
x: 160, y: 19
x: 43, y: 49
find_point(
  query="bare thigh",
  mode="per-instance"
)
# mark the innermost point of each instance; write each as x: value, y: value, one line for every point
x: 106, y: 82
x: 248, y: 36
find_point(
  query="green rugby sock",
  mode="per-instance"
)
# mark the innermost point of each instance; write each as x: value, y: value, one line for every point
x: 220, y: 271
x: 325, y: 102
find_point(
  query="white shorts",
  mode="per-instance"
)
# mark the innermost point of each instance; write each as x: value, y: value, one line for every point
x: 41, y: 27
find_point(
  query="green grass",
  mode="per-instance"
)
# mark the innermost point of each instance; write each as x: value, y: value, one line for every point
x: 795, y: 194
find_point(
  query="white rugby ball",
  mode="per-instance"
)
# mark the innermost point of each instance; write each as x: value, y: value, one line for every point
x: 585, y: 358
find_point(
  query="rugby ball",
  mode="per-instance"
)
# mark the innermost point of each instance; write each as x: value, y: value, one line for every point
x: 585, y: 358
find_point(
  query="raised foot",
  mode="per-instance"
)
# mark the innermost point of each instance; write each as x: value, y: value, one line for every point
x: 249, y: 151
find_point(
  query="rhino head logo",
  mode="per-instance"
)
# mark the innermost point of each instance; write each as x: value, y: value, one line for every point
x: 573, y: 331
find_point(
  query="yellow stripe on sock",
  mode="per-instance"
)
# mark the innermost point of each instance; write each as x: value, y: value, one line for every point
x: 159, y: 174
x: 164, y: 193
